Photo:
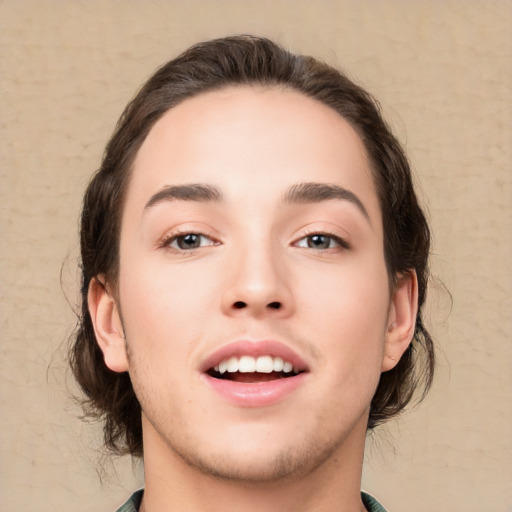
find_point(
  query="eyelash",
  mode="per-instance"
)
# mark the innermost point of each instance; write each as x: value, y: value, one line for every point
x: 341, y: 243
x: 167, y: 242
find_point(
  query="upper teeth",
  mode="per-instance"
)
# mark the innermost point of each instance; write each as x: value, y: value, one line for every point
x: 249, y: 364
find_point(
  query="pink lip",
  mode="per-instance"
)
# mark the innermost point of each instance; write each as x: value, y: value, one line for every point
x: 254, y: 349
x: 257, y: 394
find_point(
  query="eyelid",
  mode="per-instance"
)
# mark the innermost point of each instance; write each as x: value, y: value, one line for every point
x: 342, y: 241
x: 174, y: 234
x: 176, y: 239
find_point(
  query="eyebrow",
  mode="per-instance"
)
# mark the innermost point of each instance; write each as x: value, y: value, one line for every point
x: 190, y: 192
x: 299, y: 193
x: 317, y: 192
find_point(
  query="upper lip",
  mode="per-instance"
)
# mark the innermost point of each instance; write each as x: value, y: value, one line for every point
x: 255, y: 349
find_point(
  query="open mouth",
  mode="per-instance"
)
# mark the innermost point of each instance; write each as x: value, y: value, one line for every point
x: 255, y: 374
x: 248, y: 369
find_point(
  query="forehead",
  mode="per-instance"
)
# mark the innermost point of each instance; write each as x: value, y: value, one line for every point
x: 265, y: 137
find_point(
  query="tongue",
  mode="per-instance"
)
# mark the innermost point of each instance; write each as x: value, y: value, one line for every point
x: 253, y: 377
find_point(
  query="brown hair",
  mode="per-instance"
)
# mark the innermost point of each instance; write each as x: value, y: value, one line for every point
x: 244, y: 60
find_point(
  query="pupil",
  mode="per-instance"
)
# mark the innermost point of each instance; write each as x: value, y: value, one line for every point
x: 318, y: 241
x: 189, y: 241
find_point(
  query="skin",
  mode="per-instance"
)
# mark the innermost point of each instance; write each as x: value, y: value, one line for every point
x: 174, y: 307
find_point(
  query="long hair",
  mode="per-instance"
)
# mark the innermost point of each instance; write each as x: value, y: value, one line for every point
x: 213, y: 65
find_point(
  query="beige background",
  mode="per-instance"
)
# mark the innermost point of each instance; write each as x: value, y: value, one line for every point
x: 443, y: 72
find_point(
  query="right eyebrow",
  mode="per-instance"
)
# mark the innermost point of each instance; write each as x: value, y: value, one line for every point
x: 190, y: 192
x: 317, y: 192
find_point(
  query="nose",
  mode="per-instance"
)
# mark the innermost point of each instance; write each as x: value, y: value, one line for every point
x: 258, y: 284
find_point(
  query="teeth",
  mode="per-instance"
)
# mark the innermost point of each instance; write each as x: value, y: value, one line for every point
x: 265, y: 364
x: 278, y: 364
x: 288, y: 367
x: 249, y: 364
x: 232, y: 364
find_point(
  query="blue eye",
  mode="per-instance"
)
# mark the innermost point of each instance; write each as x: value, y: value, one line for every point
x: 189, y: 241
x: 321, y: 241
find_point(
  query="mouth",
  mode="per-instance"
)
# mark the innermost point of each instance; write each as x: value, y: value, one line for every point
x: 249, y: 369
x: 255, y: 374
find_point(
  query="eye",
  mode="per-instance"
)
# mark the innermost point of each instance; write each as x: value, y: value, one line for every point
x: 188, y: 241
x: 321, y: 241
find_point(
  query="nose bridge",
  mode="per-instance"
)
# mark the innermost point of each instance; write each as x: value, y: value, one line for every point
x: 258, y: 280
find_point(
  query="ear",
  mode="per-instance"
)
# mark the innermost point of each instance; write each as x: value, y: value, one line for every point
x: 107, y: 325
x: 401, y: 319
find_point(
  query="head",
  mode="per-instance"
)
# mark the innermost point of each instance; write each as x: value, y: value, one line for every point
x: 246, y: 63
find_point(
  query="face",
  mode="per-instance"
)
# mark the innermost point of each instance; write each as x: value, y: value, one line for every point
x: 253, y: 290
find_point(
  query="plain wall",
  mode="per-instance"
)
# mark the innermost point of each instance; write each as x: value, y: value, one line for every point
x: 443, y: 73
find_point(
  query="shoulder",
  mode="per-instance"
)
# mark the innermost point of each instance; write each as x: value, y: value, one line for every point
x: 133, y: 504
x: 371, y: 504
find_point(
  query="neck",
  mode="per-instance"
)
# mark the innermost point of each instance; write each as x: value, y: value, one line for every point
x: 333, y: 486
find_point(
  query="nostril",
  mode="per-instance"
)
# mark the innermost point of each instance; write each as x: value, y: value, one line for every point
x: 274, y: 305
x: 239, y: 304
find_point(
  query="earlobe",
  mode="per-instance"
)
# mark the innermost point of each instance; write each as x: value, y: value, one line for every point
x: 401, y: 319
x: 107, y: 325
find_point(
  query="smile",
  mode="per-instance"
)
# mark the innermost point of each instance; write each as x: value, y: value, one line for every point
x: 254, y: 374
x: 263, y: 365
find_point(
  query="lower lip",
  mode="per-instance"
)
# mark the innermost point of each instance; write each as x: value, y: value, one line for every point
x: 257, y: 394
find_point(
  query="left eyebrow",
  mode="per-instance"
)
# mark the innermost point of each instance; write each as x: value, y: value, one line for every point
x: 317, y: 192
x: 190, y: 192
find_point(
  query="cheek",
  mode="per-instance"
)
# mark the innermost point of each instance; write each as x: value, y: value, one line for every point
x: 347, y: 318
x: 165, y: 308
x: 164, y: 316
x: 354, y: 296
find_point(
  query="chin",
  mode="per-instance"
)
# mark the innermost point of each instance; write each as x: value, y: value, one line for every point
x: 261, y: 464
x: 265, y: 469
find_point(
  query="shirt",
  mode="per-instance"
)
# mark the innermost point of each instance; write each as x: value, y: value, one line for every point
x: 133, y: 504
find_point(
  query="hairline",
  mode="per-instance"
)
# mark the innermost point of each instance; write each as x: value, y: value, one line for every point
x: 262, y: 85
